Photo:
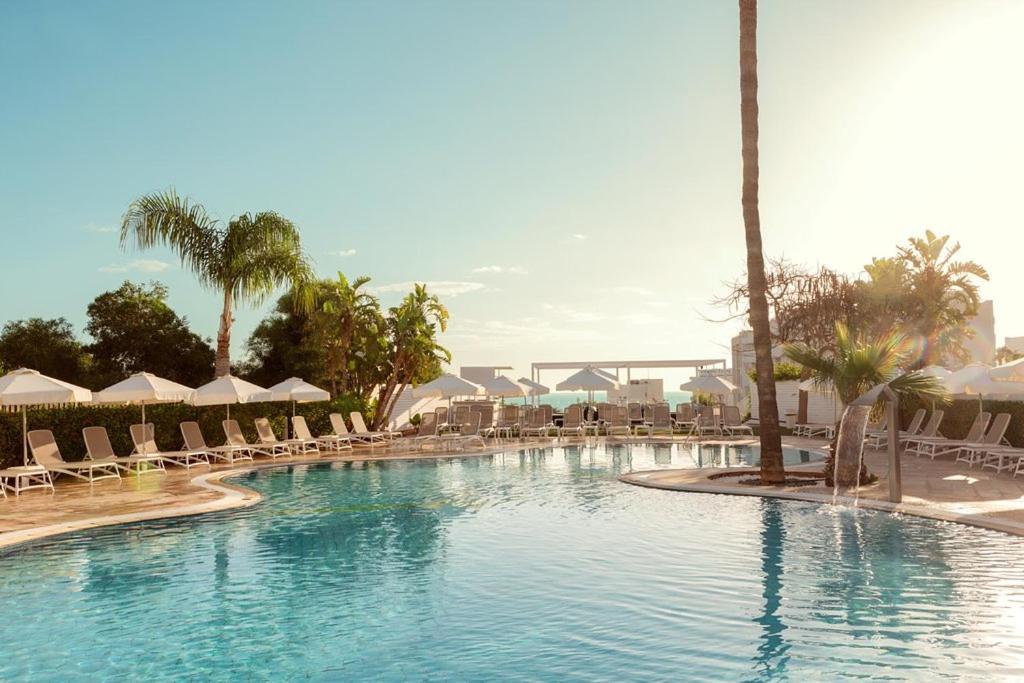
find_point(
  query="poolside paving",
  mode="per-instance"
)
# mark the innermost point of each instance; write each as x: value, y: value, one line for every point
x: 939, y: 489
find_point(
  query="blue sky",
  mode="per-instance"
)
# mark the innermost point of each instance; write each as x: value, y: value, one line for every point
x: 566, y: 174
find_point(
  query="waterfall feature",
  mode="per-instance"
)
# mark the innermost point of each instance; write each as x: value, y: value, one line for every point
x: 850, y: 447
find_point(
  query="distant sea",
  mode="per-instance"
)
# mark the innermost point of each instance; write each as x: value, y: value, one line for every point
x: 561, y: 399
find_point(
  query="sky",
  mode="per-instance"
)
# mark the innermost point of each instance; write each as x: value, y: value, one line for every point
x: 566, y: 175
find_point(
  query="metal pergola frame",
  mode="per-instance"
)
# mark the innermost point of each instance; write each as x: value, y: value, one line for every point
x: 619, y: 365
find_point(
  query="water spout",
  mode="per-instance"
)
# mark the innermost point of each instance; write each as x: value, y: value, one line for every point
x: 848, y: 458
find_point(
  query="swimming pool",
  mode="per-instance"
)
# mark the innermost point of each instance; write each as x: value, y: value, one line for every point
x: 532, y: 565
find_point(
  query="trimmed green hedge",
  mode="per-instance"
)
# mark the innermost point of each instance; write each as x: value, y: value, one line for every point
x: 956, y: 421
x: 67, y: 423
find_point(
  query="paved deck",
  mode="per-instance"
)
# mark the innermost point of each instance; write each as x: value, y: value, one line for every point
x: 937, y: 489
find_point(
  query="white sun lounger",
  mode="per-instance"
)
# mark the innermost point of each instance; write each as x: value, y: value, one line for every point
x: 976, y: 453
x: 98, y: 449
x: 268, y: 439
x: 235, y: 438
x: 145, y: 446
x: 934, y: 446
x: 194, y: 441
x: 46, y: 454
x: 331, y: 442
x: 364, y: 435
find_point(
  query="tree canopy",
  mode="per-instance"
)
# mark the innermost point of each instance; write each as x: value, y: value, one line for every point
x: 134, y: 330
x: 48, y: 346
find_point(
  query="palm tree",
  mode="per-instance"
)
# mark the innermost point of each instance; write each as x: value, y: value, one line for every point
x: 855, y: 364
x: 342, y: 307
x: 768, y: 418
x: 413, y: 327
x: 942, y: 295
x: 246, y: 260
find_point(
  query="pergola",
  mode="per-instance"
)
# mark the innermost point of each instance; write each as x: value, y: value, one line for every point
x: 617, y: 366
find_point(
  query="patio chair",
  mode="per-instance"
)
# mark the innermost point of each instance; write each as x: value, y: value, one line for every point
x: 98, y: 449
x: 684, y: 419
x: 426, y: 433
x: 359, y: 429
x: 618, y: 422
x: 194, y: 441
x: 268, y: 439
x: 469, y: 433
x: 47, y: 455
x: 732, y: 422
x: 331, y: 442
x: 572, y: 423
x: 934, y: 446
x: 975, y: 453
x: 145, y: 447
x: 235, y: 438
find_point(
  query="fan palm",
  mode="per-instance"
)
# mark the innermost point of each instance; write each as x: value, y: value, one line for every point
x: 768, y: 417
x: 855, y: 364
x: 246, y: 259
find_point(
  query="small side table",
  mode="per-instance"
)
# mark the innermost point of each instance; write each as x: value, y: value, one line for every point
x: 23, y: 478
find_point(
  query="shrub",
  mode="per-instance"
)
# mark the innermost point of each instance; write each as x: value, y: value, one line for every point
x: 958, y: 416
x: 784, y: 372
x: 67, y: 423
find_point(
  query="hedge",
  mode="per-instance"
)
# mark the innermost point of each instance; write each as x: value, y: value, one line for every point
x: 957, y: 418
x: 67, y: 423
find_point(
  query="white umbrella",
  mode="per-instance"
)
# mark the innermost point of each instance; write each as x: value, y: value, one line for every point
x: 447, y: 386
x: 536, y: 388
x: 994, y: 389
x: 589, y: 380
x: 709, y: 384
x: 956, y: 382
x: 23, y: 388
x: 1011, y: 372
x: 503, y: 387
x: 296, y: 389
x: 142, y: 388
x: 935, y: 371
x: 229, y: 389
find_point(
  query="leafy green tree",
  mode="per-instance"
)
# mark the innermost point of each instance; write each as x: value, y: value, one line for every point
x: 413, y: 328
x: 134, y: 330
x: 49, y: 346
x: 245, y: 260
x: 929, y: 293
x: 280, y: 347
x: 343, y: 309
x: 855, y: 364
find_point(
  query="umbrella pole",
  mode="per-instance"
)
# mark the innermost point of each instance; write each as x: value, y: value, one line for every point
x: 288, y: 425
x: 24, y: 434
x: 144, y: 429
x: 228, y: 406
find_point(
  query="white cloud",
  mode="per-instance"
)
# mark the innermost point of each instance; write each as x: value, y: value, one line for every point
x: 497, y: 270
x: 342, y: 252
x: 439, y: 287
x: 139, y: 266
x: 103, y: 229
x: 579, y: 236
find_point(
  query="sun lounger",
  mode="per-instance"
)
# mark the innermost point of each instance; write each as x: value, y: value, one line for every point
x: 367, y: 438
x: 707, y: 423
x: 975, y: 453
x: 23, y: 478
x: 469, y: 433
x: 618, y: 423
x: 145, y: 446
x: 684, y: 419
x: 98, y: 449
x: 330, y: 442
x: 426, y: 434
x: 235, y: 438
x: 732, y: 422
x: 934, y: 446
x: 269, y: 440
x: 540, y: 423
x: 47, y: 455
x: 661, y: 421
x: 195, y: 442
x: 875, y: 436
x: 359, y: 429
x: 572, y: 423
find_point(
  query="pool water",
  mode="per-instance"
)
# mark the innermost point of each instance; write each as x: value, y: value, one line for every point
x: 526, y: 566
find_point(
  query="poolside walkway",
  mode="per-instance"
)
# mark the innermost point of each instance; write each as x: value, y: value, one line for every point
x: 939, y: 489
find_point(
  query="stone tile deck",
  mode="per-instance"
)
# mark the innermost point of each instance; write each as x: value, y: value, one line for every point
x: 937, y: 489
x: 940, y: 489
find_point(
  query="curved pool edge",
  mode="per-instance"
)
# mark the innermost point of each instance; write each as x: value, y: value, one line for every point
x: 232, y: 496
x: 641, y: 478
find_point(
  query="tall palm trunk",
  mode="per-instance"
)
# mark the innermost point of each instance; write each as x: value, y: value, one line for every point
x: 222, y: 365
x: 768, y: 413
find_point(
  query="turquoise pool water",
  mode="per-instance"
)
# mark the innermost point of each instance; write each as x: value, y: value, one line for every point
x: 527, y: 566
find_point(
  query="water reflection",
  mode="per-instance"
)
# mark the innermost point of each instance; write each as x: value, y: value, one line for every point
x: 772, y: 650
